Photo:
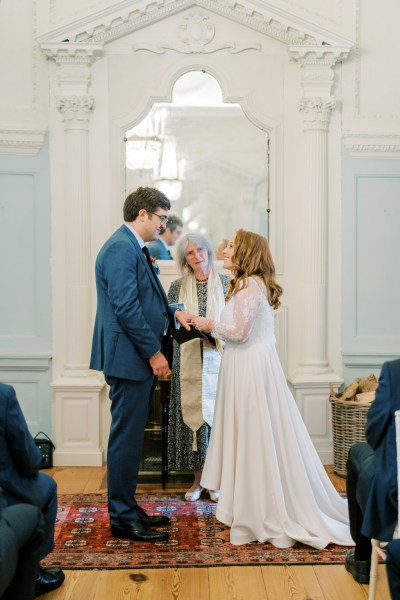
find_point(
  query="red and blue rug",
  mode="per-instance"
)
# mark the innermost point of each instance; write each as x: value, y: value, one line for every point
x: 196, y: 539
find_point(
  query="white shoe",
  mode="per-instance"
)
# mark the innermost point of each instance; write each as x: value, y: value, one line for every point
x: 194, y: 495
x: 214, y: 495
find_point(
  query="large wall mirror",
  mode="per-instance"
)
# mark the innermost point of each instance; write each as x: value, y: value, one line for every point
x: 206, y: 156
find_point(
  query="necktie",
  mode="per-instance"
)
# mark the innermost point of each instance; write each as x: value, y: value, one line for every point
x: 169, y: 254
x: 146, y: 252
x: 147, y: 255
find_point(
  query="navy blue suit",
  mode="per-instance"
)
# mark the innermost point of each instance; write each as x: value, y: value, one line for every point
x: 372, y: 468
x: 132, y: 317
x: 158, y: 250
x: 380, y: 514
x: 19, y: 465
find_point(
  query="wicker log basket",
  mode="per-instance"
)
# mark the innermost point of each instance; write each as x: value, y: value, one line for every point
x: 349, y: 415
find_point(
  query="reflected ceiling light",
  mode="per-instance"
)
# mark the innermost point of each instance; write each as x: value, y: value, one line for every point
x: 193, y: 225
x: 144, y: 142
x: 169, y: 178
x: 185, y: 214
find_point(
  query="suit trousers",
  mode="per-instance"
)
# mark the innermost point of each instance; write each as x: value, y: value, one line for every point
x: 130, y: 403
x: 22, y: 531
x: 41, y: 492
x: 360, y: 472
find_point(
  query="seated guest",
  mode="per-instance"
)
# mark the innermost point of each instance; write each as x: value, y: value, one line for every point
x: 21, y: 538
x: 393, y: 568
x: 159, y: 248
x: 23, y: 483
x: 372, y: 475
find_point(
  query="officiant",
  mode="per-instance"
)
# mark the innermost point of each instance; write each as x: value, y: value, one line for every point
x: 195, y: 362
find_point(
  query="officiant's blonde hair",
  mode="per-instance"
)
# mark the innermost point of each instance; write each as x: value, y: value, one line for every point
x: 252, y: 256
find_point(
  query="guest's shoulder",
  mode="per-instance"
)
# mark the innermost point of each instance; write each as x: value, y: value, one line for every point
x: 6, y: 391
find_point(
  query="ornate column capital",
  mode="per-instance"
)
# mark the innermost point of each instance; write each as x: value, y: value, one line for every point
x: 75, y: 109
x: 316, y: 63
x: 317, y: 112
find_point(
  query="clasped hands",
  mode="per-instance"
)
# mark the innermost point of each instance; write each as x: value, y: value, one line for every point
x: 158, y: 362
x: 201, y: 323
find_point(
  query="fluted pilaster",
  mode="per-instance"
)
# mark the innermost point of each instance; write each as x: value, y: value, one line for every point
x: 75, y: 111
x: 316, y: 107
x: 77, y: 390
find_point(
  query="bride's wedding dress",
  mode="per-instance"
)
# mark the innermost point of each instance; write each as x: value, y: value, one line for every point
x: 273, y: 487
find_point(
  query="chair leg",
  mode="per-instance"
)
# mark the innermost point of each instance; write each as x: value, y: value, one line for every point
x: 373, y: 574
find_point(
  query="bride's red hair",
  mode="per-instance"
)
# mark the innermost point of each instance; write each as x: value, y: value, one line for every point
x: 252, y: 256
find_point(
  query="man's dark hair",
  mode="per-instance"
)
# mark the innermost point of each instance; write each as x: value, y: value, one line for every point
x: 174, y: 222
x: 144, y: 197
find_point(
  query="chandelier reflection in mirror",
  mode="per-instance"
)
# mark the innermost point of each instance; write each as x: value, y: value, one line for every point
x: 212, y: 164
x: 144, y: 142
x: 147, y: 147
x: 168, y: 174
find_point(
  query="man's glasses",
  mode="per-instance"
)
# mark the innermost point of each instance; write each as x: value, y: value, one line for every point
x: 163, y: 218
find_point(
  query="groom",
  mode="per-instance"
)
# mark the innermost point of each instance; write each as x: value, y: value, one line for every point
x: 132, y: 319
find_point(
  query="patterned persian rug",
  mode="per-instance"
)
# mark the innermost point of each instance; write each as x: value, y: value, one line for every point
x: 197, y: 539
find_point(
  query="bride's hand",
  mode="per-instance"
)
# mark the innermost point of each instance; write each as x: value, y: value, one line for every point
x: 203, y: 324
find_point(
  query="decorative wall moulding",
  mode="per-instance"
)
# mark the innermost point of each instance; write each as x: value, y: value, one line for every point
x: 371, y: 361
x: 66, y: 53
x: 320, y: 55
x: 19, y: 141
x: 120, y: 20
x: 28, y: 362
x: 196, y: 32
x: 197, y: 48
x: 372, y: 146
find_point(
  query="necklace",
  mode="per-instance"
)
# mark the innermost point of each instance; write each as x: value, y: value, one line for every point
x: 201, y: 280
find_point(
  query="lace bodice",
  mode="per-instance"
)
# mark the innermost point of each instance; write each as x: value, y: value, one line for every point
x: 247, y: 316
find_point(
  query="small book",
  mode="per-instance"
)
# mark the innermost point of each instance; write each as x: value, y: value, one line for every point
x: 182, y: 335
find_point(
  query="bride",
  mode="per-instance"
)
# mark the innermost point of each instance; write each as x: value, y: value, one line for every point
x: 273, y: 487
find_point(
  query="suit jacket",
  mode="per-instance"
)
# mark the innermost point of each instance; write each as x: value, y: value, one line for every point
x: 20, y: 458
x: 132, y: 310
x: 381, y: 510
x: 158, y: 250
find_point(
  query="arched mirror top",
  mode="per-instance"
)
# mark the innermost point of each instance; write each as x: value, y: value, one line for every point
x: 206, y: 156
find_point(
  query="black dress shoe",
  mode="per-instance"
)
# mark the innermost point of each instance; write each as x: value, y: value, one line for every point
x: 48, y: 580
x: 139, y: 532
x: 151, y: 519
x: 358, y: 568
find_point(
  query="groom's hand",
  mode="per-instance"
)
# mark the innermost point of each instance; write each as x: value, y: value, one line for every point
x: 159, y: 364
x: 184, y: 318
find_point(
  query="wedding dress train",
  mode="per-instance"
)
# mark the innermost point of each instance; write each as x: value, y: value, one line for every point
x: 273, y: 487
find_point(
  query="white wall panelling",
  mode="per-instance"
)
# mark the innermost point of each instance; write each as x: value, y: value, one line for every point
x: 25, y: 301
x: 371, y: 290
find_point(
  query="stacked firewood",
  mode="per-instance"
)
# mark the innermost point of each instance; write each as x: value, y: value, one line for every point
x: 361, y: 391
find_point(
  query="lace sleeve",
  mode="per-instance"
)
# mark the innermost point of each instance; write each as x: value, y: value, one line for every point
x: 246, y: 303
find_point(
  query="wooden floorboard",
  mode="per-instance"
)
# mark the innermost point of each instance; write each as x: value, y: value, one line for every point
x: 276, y: 582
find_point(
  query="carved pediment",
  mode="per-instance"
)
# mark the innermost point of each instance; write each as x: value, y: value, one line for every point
x: 126, y: 17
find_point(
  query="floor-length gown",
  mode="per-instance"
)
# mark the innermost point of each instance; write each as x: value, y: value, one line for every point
x: 273, y: 486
